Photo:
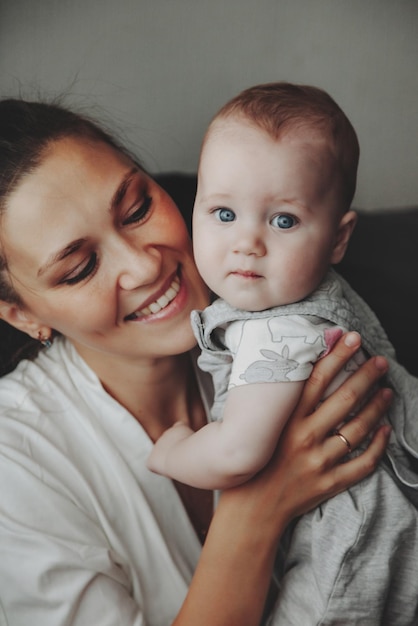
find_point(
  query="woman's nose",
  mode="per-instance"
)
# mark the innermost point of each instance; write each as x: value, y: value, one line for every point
x: 137, y: 266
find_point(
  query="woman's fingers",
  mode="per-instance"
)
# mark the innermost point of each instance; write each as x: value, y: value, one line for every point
x: 324, y: 473
x: 347, y: 437
x: 340, y: 476
x: 325, y: 370
x: 349, y: 396
x: 347, y: 474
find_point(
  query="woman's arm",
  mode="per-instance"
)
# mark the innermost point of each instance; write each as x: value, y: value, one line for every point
x: 233, y: 575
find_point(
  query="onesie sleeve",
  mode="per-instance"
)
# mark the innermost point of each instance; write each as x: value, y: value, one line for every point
x: 276, y: 349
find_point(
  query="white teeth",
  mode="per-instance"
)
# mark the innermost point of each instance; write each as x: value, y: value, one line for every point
x: 155, y: 307
x: 161, y: 302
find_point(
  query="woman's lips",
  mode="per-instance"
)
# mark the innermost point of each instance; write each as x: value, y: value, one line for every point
x: 160, y: 303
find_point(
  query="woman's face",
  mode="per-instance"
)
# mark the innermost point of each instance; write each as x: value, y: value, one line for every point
x: 99, y: 252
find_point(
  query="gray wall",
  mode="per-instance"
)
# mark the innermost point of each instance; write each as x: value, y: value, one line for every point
x: 160, y: 68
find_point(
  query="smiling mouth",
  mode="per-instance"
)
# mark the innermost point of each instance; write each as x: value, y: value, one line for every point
x: 158, y: 304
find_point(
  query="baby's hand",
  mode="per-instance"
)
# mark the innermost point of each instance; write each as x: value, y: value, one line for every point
x: 161, y: 450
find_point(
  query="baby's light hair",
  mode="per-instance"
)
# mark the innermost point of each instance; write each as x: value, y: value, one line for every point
x: 282, y: 108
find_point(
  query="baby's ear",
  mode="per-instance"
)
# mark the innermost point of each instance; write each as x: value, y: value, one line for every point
x: 14, y: 315
x: 344, y: 231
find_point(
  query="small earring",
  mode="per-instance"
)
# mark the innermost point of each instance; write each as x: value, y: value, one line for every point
x: 45, y: 341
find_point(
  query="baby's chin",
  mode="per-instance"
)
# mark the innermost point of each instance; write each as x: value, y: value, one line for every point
x: 253, y: 303
x: 248, y: 304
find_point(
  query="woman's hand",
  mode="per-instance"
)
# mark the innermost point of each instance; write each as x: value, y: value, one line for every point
x: 309, y: 464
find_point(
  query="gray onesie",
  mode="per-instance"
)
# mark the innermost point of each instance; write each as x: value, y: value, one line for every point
x: 354, y: 559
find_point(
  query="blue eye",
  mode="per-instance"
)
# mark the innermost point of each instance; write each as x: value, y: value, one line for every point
x: 284, y: 221
x: 225, y: 215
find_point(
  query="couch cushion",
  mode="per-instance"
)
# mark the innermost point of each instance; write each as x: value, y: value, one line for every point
x: 382, y: 265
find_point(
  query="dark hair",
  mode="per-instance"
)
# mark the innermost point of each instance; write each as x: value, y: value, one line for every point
x: 280, y: 108
x: 27, y: 129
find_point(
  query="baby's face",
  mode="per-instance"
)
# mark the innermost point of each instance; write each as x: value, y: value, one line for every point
x: 266, y: 215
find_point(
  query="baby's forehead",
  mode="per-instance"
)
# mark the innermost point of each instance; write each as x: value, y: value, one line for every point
x: 311, y: 141
x: 303, y: 132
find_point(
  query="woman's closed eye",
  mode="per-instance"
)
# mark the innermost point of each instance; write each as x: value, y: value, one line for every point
x: 81, y: 272
x: 87, y: 268
x: 140, y: 213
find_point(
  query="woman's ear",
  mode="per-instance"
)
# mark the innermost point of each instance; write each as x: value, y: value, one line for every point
x: 14, y: 315
x: 344, y: 232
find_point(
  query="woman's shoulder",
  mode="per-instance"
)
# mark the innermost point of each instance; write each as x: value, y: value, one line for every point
x: 32, y: 372
x: 45, y: 385
x: 58, y: 401
x: 54, y: 415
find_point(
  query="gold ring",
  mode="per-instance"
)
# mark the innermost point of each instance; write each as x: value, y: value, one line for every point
x: 344, y: 439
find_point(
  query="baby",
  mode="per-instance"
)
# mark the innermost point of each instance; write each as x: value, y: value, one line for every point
x: 276, y: 178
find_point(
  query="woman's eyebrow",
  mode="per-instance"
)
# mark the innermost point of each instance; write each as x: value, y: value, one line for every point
x: 60, y: 255
x: 120, y: 192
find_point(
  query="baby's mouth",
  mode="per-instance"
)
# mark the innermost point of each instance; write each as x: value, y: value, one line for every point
x: 246, y: 274
x: 160, y: 303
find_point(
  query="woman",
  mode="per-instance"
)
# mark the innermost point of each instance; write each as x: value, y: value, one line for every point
x: 95, y: 260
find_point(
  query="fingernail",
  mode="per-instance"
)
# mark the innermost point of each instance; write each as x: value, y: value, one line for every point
x: 387, y: 430
x: 352, y: 339
x: 381, y: 363
x: 387, y: 394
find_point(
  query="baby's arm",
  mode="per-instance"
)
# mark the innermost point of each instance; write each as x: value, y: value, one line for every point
x: 225, y: 454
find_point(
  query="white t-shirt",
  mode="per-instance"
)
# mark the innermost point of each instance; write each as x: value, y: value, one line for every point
x: 87, y: 534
